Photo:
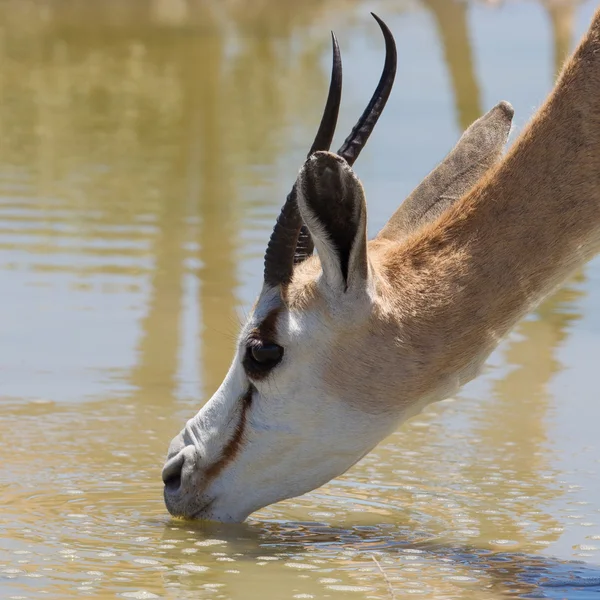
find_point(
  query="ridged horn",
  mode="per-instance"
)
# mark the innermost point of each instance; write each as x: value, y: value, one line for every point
x: 360, y: 133
x: 290, y: 241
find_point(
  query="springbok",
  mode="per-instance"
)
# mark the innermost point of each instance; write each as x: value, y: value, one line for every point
x: 342, y: 347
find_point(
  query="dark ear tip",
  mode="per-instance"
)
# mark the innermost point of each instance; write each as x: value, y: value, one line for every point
x: 327, y: 170
x: 506, y: 108
x: 322, y: 158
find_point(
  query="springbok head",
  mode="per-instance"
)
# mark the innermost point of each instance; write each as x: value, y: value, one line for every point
x: 324, y: 367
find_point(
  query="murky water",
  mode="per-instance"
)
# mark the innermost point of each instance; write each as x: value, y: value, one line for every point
x: 145, y: 149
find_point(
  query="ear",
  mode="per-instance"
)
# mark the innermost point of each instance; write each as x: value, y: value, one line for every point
x: 477, y: 150
x: 331, y: 200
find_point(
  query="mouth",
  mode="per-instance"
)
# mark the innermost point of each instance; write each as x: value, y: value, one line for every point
x: 179, y: 508
x: 179, y: 497
x: 203, y: 509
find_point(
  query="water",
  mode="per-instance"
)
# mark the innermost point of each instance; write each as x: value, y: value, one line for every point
x: 145, y: 150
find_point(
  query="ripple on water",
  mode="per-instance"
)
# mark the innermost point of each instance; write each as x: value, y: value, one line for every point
x: 114, y: 233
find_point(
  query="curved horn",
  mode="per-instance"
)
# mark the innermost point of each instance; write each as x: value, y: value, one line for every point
x: 360, y: 133
x: 290, y: 241
x: 332, y: 106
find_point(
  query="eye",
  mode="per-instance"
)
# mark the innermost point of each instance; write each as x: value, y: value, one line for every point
x: 261, y: 358
x: 266, y: 355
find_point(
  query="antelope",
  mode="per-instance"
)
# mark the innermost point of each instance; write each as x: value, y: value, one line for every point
x: 343, y: 346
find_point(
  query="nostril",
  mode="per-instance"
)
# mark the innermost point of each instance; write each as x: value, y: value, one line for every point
x: 173, y: 482
x: 171, y: 474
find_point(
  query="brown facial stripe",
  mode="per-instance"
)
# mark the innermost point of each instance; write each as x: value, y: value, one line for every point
x: 267, y: 330
x: 235, y: 443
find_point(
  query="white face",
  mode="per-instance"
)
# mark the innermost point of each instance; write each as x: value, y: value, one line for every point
x: 344, y: 381
x: 261, y: 440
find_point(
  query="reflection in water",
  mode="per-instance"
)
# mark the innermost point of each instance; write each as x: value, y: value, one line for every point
x: 143, y: 149
x: 219, y: 219
x: 451, y: 22
x: 562, y: 17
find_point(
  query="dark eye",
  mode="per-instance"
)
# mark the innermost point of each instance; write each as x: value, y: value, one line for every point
x: 261, y: 358
x: 267, y: 354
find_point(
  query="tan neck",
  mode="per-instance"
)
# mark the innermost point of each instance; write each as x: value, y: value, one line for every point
x: 520, y: 232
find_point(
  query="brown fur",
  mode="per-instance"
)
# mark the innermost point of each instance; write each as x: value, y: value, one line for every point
x: 266, y: 331
x: 450, y: 291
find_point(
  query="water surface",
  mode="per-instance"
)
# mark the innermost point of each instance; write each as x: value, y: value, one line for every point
x: 145, y: 150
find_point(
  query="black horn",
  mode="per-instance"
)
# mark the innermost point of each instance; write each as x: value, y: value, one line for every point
x: 291, y: 241
x: 360, y: 133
